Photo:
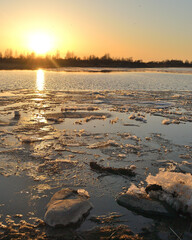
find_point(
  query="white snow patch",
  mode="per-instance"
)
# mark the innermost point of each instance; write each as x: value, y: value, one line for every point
x: 134, y: 190
x: 177, y: 189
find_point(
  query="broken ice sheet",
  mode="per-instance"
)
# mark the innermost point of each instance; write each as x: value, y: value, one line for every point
x: 110, y: 218
x: 103, y: 144
x: 56, y: 166
x: 42, y: 187
x: 58, y: 140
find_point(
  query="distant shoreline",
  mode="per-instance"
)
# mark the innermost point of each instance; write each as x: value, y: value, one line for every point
x: 105, y: 64
x: 99, y: 70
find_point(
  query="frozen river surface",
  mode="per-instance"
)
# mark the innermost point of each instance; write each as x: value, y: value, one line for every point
x: 51, y: 130
x: 88, y: 79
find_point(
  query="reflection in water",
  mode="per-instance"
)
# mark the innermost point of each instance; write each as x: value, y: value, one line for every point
x: 40, y: 80
x: 30, y: 119
x: 39, y: 118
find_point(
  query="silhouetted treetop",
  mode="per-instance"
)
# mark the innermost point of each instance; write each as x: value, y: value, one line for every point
x: 31, y: 61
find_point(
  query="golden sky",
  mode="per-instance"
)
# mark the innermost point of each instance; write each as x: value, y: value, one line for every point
x: 141, y: 29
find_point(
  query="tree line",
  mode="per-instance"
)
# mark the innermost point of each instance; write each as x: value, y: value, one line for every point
x: 8, y: 60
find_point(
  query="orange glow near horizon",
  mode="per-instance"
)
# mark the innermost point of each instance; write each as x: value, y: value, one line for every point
x: 130, y: 29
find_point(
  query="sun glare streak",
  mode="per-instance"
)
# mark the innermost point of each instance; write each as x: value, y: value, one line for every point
x: 40, y: 80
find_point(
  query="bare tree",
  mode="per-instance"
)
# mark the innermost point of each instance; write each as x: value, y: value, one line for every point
x: 8, y: 53
x: 70, y: 55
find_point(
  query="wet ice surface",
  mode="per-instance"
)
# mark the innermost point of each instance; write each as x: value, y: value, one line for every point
x: 49, y: 138
x: 94, y: 79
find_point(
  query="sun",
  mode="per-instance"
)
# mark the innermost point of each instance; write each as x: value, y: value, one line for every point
x: 40, y: 43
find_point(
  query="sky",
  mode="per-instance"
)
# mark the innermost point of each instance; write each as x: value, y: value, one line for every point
x: 141, y: 29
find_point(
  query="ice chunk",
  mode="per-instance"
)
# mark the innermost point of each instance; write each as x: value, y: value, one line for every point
x: 56, y: 166
x: 132, y: 116
x: 166, y: 122
x: 142, y: 204
x: 103, y: 144
x: 66, y: 207
x: 177, y: 189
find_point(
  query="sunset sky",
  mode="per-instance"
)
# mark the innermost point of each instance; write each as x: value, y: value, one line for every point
x: 142, y: 29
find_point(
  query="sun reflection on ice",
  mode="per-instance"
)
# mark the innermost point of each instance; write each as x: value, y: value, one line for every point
x: 40, y: 80
x: 39, y: 118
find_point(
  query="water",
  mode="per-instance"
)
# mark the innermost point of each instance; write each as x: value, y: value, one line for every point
x: 160, y: 80
x: 27, y: 191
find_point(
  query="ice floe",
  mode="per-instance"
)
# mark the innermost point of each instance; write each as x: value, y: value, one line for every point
x: 103, y: 144
x: 67, y: 207
x: 175, y: 190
